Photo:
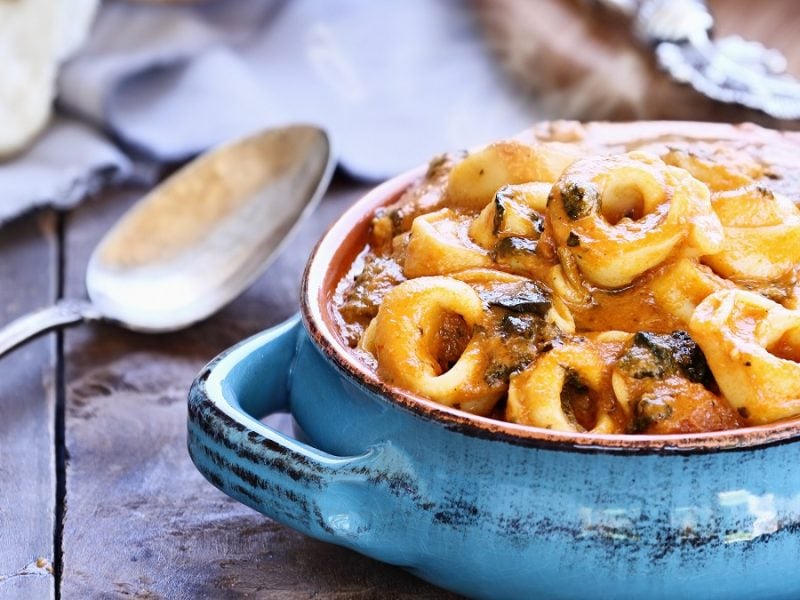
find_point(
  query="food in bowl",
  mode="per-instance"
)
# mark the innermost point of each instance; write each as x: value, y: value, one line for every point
x: 485, y: 507
x: 582, y: 283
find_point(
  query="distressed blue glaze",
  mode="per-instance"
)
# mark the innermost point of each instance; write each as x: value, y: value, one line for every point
x: 491, y: 518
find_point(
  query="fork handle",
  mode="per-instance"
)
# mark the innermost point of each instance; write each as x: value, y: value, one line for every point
x: 656, y: 21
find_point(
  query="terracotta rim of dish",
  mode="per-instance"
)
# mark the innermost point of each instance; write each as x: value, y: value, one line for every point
x: 330, y: 261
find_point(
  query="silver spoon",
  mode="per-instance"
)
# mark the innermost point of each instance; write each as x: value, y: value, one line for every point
x: 199, y: 239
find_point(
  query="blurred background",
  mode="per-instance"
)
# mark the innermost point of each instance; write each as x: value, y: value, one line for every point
x: 94, y: 94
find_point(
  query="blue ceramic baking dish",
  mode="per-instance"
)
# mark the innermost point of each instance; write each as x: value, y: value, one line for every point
x: 481, y: 507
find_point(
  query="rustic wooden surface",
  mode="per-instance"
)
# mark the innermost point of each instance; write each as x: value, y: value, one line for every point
x: 139, y: 520
x: 28, y: 279
x: 582, y: 61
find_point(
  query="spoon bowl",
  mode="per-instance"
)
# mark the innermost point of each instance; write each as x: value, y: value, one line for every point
x: 200, y: 238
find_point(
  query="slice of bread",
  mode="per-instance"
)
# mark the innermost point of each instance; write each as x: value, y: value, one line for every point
x: 35, y: 35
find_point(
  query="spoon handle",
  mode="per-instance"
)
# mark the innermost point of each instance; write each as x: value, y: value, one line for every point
x: 64, y: 312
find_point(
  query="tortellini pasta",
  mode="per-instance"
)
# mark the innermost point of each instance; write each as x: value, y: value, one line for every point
x: 437, y: 245
x: 587, y: 289
x: 564, y: 388
x: 623, y: 215
x: 753, y: 347
x: 475, y: 180
x: 407, y: 334
x: 762, y: 235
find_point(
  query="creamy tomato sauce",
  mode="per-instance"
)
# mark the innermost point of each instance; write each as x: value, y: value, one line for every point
x: 598, y: 255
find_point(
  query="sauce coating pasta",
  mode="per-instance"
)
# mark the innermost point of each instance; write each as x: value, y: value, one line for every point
x: 619, y: 288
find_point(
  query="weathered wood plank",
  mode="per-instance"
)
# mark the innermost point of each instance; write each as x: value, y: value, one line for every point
x: 140, y: 518
x: 28, y: 272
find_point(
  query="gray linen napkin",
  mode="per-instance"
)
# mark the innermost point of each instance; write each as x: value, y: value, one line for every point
x: 69, y: 162
x: 394, y: 82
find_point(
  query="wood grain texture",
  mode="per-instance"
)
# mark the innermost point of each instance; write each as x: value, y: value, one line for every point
x: 28, y: 271
x: 140, y: 520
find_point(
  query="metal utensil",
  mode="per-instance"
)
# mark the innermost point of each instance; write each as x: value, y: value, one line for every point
x: 199, y: 239
x: 728, y: 69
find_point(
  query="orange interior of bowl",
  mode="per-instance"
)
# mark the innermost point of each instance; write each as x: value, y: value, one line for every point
x: 331, y: 260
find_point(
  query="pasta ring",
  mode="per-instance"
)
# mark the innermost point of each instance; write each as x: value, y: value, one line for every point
x: 726, y: 171
x: 620, y: 216
x: 762, y: 235
x: 437, y: 246
x: 752, y: 206
x: 475, y: 180
x: 752, y: 346
x: 758, y: 253
x: 681, y: 285
x: 408, y: 320
x: 515, y: 210
x: 534, y: 396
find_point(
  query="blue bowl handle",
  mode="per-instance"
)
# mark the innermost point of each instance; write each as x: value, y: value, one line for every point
x: 303, y: 487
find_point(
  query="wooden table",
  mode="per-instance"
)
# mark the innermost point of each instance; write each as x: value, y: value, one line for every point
x: 98, y: 496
